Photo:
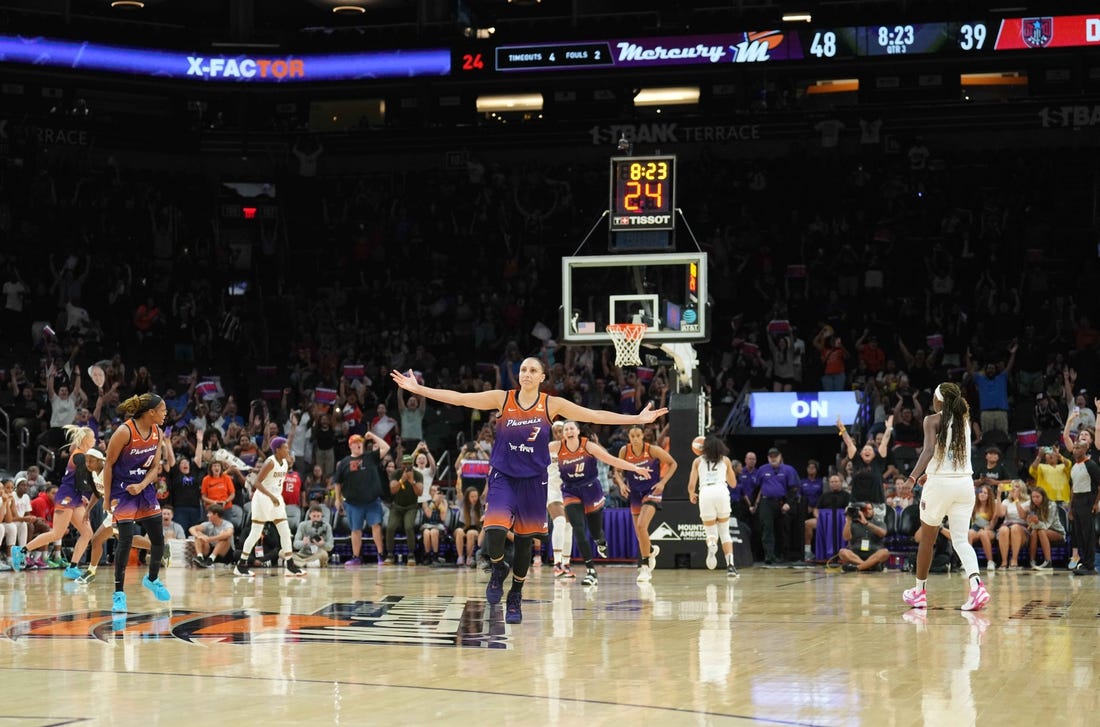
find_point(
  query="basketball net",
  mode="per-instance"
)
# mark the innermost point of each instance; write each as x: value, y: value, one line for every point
x: 627, y: 338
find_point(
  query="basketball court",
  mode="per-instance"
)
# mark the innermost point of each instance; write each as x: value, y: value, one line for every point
x: 778, y: 646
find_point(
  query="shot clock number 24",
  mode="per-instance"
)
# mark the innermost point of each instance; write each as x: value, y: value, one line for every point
x: 643, y: 192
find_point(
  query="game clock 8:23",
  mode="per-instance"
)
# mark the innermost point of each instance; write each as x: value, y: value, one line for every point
x: 643, y: 192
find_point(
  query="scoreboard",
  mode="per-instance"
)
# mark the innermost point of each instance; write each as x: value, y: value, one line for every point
x: 813, y: 44
x: 643, y: 193
x: 810, y: 44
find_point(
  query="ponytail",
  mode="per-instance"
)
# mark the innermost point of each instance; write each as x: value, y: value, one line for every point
x: 76, y: 434
x: 137, y: 405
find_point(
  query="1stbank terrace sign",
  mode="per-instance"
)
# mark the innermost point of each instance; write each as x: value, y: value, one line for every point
x: 244, y: 68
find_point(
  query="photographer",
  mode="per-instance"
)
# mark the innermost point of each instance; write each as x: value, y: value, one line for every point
x: 313, y: 540
x: 865, y: 533
x: 406, y: 487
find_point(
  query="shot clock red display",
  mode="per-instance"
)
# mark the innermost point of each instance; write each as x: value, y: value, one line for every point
x: 643, y: 193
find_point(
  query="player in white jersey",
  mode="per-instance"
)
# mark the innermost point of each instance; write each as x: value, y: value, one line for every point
x: 948, y: 490
x: 713, y: 474
x: 268, y: 507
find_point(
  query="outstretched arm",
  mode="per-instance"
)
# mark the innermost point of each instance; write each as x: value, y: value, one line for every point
x: 603, y: 455
x: 492, y: 399
x: 559, y: 407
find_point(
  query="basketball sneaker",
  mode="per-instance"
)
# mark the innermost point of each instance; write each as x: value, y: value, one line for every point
x: 18, y: 557
x: 86, y: 578
x: 712, y: 555
x: 72, y: 573
x: 513, y: 610
x: 292, y: 569
x: 495, y: 590
x: 654, y: 551
x: 158, y: 588
x: 590, y: 578
x: 978, y: 599
x: 915, y: 597
x: 645, y: 574
x: 731, y: 571
x: 241, y: 570
x: 559, y: 571
x: 601, y: 548
x: 118, y: 602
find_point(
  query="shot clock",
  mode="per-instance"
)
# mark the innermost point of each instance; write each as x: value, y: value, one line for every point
x: 643, y: 193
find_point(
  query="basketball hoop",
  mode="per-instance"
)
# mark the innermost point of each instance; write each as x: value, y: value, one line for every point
x: 627, y: 338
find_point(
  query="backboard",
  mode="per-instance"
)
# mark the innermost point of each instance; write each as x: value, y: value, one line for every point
x: 665, y: 291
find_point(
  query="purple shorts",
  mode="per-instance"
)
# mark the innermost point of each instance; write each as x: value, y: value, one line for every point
x: 516, y: 503
x: 643, y: 495
x: 68, y: 498
x: 590, y: 494
x: 126, y: 507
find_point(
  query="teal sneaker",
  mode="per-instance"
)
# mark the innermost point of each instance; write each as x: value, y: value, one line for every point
x: 157, y: 587
x: 18, y: 557
x: 72, y: 573
x: 118, y: 603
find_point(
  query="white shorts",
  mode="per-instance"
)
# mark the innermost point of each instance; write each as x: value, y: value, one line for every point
x: 951, y: 497
x: 265, y: 511
x: 714, y: 502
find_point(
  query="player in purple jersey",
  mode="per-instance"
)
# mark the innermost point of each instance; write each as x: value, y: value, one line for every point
x: 133, y: 451
x: 645, y: 493
x: 516, y: 494
x: 74, y: 496
x: 583, y: 491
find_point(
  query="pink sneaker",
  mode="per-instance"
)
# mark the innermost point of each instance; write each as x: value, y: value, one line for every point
x: 915, y: 597
x: 978, y: 599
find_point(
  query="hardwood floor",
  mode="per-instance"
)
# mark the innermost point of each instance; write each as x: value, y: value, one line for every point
x: 374, y: 645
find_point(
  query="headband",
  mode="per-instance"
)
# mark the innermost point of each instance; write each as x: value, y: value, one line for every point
x: 938, y: 396
x: 95, y: 453
x: 154, y: 402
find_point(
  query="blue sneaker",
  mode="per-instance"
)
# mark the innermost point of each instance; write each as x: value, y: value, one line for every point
x: 72, y: 573
x: 157, y: 587
x: 118, y: 603
x: 18, y: 557
x: 495, y: 590
x: 513, y: 613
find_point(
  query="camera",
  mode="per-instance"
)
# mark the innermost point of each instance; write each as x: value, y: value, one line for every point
x: 854, y: 510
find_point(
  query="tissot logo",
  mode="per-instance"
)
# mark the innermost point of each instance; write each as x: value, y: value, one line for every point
x: 399, y: 620
x: 245, y: 67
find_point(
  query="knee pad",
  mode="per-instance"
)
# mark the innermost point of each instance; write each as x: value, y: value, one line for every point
x: 724, y: 532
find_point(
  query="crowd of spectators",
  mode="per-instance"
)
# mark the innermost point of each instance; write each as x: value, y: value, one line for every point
x: 891, y: 273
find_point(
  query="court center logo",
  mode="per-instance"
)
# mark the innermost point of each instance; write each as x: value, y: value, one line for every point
x: 446, y: 621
